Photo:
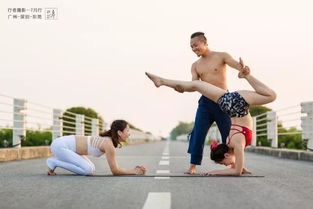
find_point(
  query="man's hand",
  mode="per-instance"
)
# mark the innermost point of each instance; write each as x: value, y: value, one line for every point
x: 179, y: 89
x: 245, y: 70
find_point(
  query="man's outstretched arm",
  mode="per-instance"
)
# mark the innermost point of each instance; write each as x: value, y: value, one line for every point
x: 231, y: 61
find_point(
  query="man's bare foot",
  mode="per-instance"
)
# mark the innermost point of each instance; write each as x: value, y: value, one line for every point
x: 51, y: 172
x: 192, y: 170
x: 245, y: 171
x: 156, y: 79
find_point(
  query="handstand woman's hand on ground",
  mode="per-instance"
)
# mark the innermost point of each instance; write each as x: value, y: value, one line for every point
x: 207, y: 174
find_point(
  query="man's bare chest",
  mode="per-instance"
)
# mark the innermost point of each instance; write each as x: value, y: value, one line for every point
x: 213, y: 67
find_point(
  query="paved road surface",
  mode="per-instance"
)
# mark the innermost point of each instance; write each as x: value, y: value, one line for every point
x: 287, y: 184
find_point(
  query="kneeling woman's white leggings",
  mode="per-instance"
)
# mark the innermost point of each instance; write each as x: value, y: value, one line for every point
x: 65, y: 156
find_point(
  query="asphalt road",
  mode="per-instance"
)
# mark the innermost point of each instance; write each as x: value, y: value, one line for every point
x: 286, y: 183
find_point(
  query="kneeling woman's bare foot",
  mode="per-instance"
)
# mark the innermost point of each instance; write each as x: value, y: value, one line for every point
x: 51, y: 172
x: 156, y: 79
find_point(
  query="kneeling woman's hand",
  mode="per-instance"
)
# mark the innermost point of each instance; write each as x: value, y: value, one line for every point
x: 140, y: 170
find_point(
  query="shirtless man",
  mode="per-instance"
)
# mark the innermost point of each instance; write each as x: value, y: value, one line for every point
x: 211, y: 68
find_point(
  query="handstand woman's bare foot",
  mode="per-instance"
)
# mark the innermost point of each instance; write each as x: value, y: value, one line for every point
x: 244, y: 71
x: 156, y: 79
x: 51, y: 172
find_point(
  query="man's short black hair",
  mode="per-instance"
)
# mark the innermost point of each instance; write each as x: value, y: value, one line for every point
x: 198, y: 34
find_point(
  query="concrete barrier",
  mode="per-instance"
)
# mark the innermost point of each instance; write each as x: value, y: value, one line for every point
x: 9, y: 154
x: 283, y: 153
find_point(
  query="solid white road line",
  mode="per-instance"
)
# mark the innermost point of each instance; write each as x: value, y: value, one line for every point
x: 158, y: 200
x: 162, y: 177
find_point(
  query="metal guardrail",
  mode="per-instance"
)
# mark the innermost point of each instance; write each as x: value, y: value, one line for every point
x: 20, y: 115
x: 294, y: 120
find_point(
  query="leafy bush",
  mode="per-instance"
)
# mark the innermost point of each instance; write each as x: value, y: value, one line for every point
x: 6, y: 134
x: 33, y: 138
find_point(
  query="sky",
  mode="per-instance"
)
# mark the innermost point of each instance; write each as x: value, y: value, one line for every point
x: 96, y: 52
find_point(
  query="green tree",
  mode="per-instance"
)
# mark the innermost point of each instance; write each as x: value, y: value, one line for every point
x: 33, y: 138
x: 181, y: 128
x: 258, y: 110
x: 292, y: 141
x: 6, y: 134
x: 68, y: 122
x: 37, y: 138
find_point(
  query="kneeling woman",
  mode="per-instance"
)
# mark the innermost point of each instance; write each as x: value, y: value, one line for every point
x: 70, y: 151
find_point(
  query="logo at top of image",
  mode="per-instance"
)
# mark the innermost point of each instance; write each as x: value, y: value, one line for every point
x: 51, y: 13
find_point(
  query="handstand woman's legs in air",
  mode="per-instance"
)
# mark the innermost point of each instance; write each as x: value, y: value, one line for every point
x: 208, y: 90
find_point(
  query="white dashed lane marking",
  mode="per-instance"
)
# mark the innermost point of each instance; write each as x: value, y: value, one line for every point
x: 164, y: 162
x: 158, y: 200
x: 162, y: 171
